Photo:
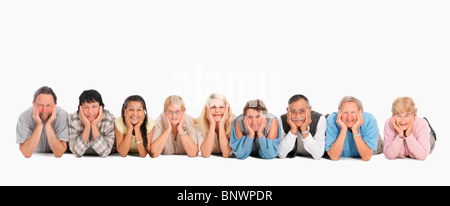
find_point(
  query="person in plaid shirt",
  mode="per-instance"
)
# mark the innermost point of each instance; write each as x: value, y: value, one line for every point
x: 91, y: 128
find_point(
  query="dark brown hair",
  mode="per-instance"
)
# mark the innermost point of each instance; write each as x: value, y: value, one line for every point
x: 143, y: 128
x: 256, y: 104
x: 45, y: 90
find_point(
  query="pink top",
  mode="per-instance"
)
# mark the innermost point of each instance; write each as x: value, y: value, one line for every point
x: 417, y: 145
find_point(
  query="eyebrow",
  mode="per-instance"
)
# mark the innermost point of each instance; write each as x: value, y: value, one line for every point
x: 134, y: 107
x: 174, y: 110
x: 301, y: 109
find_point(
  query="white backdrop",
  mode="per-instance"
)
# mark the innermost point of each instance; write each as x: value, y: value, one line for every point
x: 373, y: 50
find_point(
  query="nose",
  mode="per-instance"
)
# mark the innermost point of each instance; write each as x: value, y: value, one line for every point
x: 346, y: 117
x: 46, y: 110
x: 90, y: 111
x: 403, y: 119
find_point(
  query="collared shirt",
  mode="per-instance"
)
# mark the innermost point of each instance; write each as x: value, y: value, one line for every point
x: 26, y: 126
x: 102, y: 145
x: 369, y: 133
x: 246, y: 146
x: 416, y: 145
x: 310, y: 146
x: 174, y: 145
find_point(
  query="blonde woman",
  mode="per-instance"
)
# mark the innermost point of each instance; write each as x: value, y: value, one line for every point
x: 406, y: 134
x: 174, y: 132
x: 215, y: 124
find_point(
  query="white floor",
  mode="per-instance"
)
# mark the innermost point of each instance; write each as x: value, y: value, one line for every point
x: 44, y: 169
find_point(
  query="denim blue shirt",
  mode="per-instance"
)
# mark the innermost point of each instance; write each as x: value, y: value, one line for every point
x: 246, y: 146
x: 369, y: 133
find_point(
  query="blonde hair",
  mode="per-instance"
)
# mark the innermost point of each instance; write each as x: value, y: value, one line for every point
x: 176, y: 101
x: 404, y: 104
x: 202, y: 121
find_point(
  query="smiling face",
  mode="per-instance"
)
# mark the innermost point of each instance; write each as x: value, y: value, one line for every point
x: 174, y: 113
x: 349, y: 113
x: 90, y: 110
x: 217, y: 108
x: 298, y: 111
x: 45, y: 104
x: 136, y: 111
x: 403, y: 112
x: 254, y: 118
x: 402, y: 120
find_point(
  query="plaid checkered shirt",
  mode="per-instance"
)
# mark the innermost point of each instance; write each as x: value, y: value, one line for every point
x: 103, y: 144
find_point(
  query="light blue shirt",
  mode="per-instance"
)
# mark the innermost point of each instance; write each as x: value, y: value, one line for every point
x: 369, y: 133
x: 244, y: 146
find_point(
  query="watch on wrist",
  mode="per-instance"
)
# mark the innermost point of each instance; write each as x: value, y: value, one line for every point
x: 306, y: 132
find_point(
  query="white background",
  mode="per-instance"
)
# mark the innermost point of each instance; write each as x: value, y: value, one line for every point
x: 373, y: 50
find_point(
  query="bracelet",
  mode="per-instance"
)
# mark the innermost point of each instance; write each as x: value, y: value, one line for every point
x: 137, y: 142
x: 182, y: 134
x: 357, y: 135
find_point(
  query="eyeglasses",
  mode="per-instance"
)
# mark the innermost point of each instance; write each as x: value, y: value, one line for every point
x: 177, y: 112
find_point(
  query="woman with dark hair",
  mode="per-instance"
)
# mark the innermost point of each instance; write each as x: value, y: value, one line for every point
x: 255, y: 132
x: 134, y: 128
x: 91, y: 128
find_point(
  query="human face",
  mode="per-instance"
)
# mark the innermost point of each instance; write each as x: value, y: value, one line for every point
x: 217, y: 108
x: 45, y: 104
x: 135, y: 111
x: 298, y: 111
x: 349, y: 113
x: 402, y: 120
x: 90, y: 110
x: 254, y: 118
x: 174, y: 113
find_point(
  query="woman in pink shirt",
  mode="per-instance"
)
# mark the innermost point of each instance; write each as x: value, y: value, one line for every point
x: 406, y: 134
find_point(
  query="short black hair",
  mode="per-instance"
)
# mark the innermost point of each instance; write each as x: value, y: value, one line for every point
x: 297, y: 97
x: 90, y: 96
x: 44, y: 90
